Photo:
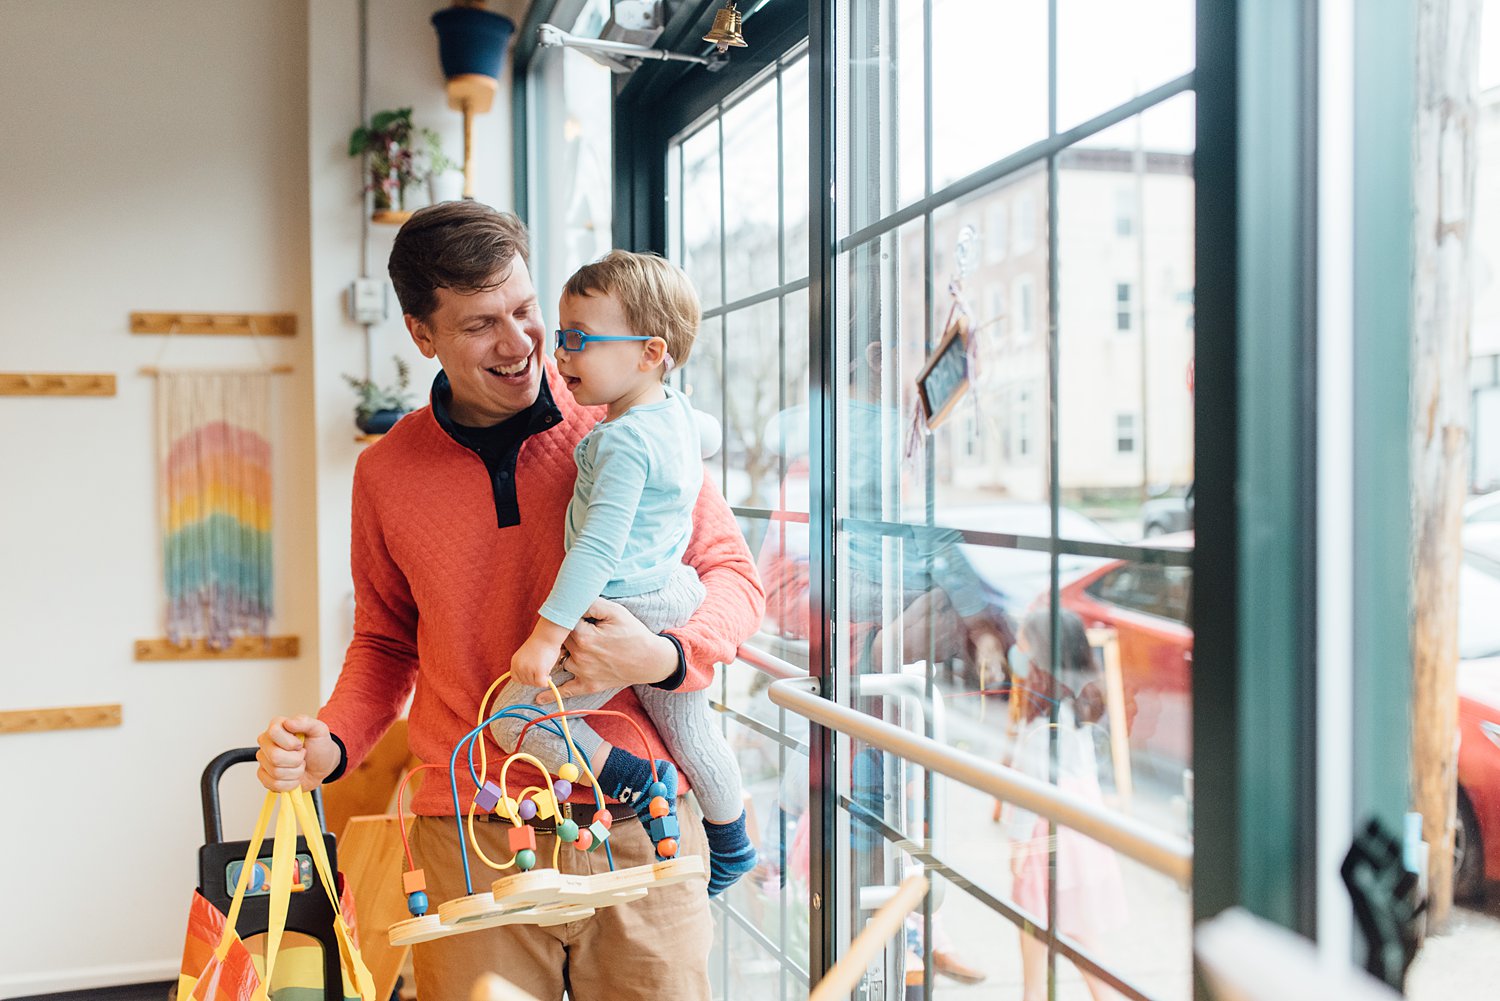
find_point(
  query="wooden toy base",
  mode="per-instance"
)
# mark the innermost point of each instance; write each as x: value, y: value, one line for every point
x: 544, y: 897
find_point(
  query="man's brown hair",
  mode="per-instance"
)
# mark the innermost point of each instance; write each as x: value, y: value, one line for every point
x: 657, y: 297
x: 465, y: 246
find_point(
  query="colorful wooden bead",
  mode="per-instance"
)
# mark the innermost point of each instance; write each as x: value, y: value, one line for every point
x: 506, y: 807
x: 664, y: 827
x: 656, y: 789
x: 568, y: 771
x: 604, y: 817
x: 567, y: 831
x: 600, y: 833
x: 659, y: 807
x: 522, y: 837
x: 525, y: 859
x: 413, y: 881
x: 527, y: 809
x: 416, y: 903
x: 585, y: 838
x: 563, y: 788
x: 666, y: 847
x: 488, y: 795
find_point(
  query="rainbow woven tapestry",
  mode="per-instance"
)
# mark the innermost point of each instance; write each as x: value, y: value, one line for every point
x: 213, y: 439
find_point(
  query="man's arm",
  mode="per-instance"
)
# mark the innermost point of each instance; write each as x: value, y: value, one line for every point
x: 380, y: 666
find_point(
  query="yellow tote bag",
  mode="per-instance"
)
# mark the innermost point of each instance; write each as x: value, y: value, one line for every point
x: 228, y: 971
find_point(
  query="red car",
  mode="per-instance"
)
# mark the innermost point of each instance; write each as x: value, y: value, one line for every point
x: 1477, y: 851
x: 1147, y: 606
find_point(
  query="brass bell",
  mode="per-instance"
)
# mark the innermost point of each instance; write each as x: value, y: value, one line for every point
x: 726, y: 29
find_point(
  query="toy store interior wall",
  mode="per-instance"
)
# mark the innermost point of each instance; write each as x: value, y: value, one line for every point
x: 174, y: 155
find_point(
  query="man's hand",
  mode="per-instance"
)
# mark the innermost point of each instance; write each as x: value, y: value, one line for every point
x: 295, y: 752
x: 609, y: 648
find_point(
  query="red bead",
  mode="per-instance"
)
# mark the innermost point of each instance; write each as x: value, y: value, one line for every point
x: 585, y: 838
x: 666, y: 847
x: 659, y: 807
x: 604, y: 819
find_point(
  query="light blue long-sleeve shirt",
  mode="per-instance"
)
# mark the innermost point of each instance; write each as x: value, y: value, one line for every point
x: 631, y: 515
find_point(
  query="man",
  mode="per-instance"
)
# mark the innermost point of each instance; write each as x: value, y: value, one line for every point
x: 457, y: 536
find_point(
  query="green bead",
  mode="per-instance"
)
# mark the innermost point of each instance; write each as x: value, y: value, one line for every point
x: 525, y: 859
x: 567, y: 831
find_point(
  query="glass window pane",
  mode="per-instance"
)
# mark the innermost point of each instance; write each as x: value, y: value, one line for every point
x: 702, y: 382
x: 701, y: 228
x: 1110, y: 53
x: 751, y: 233
x: 794, y: 166
x: 882, y: 59
x: 989, y: 82
x: 753, y: 399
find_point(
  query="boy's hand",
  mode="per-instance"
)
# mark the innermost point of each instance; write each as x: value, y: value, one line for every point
x: 533, y: 663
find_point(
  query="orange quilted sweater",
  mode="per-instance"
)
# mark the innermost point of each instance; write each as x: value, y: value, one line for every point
x: 443, y: 597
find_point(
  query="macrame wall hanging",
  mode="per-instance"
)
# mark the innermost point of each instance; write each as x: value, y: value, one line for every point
x: 214, y: 444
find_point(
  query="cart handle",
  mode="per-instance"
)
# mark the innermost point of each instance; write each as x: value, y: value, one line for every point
x: 213, y: 817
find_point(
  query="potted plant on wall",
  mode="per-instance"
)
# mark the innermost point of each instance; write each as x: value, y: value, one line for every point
x: 390, y: 140
x: 445, y: 179
x: 380, y: 407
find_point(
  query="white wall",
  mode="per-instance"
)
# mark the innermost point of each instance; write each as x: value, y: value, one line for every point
x: 404, y: 72
x: 171, y: 154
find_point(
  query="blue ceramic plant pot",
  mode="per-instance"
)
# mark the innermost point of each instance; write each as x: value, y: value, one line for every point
x: 379, y: 422
x: 471, y: 40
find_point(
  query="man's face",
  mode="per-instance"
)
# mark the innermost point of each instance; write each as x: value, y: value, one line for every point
x: 490, y: 345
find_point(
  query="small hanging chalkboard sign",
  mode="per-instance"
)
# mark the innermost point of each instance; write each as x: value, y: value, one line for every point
x: 945, y: 378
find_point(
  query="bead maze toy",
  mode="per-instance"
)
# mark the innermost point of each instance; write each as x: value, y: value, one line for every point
x: 529, y: 895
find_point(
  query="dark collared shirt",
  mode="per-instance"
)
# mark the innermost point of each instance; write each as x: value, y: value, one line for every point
x: 500, y: 444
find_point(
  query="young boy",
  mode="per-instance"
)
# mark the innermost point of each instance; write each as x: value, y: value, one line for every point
x: 627, y: 320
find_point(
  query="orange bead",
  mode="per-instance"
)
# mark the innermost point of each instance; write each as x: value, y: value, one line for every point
x: 659, y: 807
x: 585, y: 838
x: 604, y: 819
x: 666, y: 847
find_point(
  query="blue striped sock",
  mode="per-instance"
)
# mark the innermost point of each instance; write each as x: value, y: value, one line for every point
x: 627, y: 778
x: 730, y: 854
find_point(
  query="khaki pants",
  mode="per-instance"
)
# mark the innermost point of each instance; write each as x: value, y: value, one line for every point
x: 654, y: 949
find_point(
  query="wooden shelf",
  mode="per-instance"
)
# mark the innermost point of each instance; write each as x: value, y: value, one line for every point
x: 241, y: 324
x: 242, y: 648
x: 61, y: 718
x: 390, y: 217
x: 56, y: 384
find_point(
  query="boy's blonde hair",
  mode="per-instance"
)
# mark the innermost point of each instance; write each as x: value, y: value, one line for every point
x: 656, y: 296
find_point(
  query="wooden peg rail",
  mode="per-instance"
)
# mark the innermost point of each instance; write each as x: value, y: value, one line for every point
x: 244, y: 324
x: 56, y: 384
x: 242, y: 648
x: 62, y: 718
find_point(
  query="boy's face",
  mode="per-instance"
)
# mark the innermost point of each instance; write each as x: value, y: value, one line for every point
x: 489, y: 344
x: 604, y: 371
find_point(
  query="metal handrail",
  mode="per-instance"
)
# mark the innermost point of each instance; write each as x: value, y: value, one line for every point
x: 769, y: 664
x: 1164, y: 853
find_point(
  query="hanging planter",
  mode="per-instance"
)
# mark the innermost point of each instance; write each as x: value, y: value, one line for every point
x: 472, y: 40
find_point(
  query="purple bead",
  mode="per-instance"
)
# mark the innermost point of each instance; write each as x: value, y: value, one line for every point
x: 527, y: 809
x: 563, y: 788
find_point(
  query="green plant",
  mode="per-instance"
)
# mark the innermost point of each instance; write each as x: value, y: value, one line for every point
x: 374, y: 398
x: 436, y: 160
x: 389, y: 139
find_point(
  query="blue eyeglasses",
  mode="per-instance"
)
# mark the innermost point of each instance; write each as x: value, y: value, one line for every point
x: 577, y: 340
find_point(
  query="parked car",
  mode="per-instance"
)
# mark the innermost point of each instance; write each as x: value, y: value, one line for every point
x: 1482, y: 525
x: 1147, y: 605
x: 1477, y: 851
x: 1166, y: 515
